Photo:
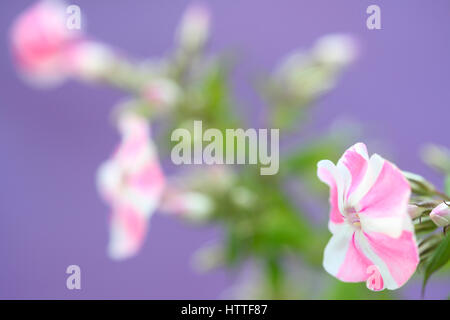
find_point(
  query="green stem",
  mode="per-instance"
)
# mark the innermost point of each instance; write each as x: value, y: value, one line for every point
x: 442, y: 195
x: 274, y: 274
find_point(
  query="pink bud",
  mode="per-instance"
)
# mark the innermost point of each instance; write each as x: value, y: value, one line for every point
x: 41, y: 42
x: 414, y: 211
x: 441, y: 215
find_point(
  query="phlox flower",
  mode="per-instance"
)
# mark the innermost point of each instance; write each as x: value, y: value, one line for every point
x: 368, y: 219
x: 132, y: 183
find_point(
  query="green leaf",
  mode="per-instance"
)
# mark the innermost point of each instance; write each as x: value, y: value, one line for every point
x: 438, y: 260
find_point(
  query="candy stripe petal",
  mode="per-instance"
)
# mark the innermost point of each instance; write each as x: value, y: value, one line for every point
x: 391, y: 226
x: 374, y: 168
x: 355, y: 266
x: 356, y: 160
x: 389, y: 196
x: 336, y: 249
x: 127, y: 232
x: 328, y: 173
x: 400, y: 255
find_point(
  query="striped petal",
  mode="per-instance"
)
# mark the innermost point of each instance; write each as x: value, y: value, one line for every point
x: 132, y: 183
x: 343, y: 257
x: 127, y: 232
x: 385, y: 206
x: 356, y: 160
x: 338, y: 181
x: 396, y: 258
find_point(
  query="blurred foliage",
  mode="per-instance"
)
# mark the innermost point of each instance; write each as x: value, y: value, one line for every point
x: 264, y: 226
x: 260, y: 221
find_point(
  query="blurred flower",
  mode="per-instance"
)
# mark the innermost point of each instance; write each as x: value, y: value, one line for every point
x: 441, y: 215
x: 191, y: 205
x: 42, y: 44
x: 336, y: 49
x: 193, y: 30
x: 368, y: 219
x: 303, y: 76
x: 132, y: 183
x: 162, y: 93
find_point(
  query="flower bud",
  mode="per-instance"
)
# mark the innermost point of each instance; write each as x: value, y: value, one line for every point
x: 193, y: 206
x: 91, y: 60
x: 336, y: 49
x: 441, y: 215
x: 414, y: 211
x: 194, y: 27
x: 418, y: 183
x: 437, y: 157
x: 161, y: 93
x: 42, y: 44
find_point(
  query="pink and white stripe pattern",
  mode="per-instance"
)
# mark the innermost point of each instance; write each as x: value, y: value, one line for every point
x: 132, y: 182
x: 368, y: 219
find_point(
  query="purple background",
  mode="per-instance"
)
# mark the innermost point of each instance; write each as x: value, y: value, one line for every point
x: 53, y: 141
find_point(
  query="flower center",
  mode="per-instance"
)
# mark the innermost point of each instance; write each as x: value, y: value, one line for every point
x: 353, y: 217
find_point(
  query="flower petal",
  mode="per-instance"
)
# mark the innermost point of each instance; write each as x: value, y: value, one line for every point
x: 127, y: 232
x: 396, y: 258
x: 385, y: 205
x: 329, y: 174
x: 145, y: 188
x: 109, y: 177
x: 343, y: 257
x: 371, y: 175
x: 356, y: 160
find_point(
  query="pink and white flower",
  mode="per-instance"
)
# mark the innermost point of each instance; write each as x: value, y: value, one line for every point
x: 368, y: 219
x: 441, y: 215
x: 132, y: 182
x: 42, y: 45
